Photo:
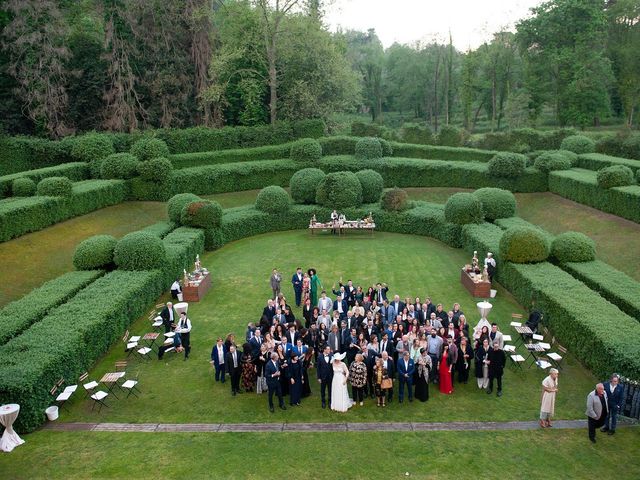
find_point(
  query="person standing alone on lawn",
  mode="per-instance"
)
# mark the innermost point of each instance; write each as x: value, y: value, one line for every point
x: 275, y: 280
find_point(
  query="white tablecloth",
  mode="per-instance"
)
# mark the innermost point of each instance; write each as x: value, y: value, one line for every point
x: 10, y: 439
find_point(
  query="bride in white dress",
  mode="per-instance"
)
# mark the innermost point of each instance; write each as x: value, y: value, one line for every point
x: 340, y: 401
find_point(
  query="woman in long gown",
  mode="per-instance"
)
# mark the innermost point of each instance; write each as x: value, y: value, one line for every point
x: 306, y: 364
x: 422, y: 376
x: 465, y: 355
x: 548, y: 402
x: 446, y: 384
x: 294, y: 376
x: 315, y: 285
x: 248, y: 369
x: 340, y: 401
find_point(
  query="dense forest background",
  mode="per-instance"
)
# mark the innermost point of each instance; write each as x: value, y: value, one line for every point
x: 70, y: 66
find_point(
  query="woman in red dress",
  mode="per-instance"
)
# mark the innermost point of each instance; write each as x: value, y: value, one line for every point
x: 446, y: 385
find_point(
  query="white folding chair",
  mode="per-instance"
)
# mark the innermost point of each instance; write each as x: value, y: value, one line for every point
x: 556, y: 358
x: 157, y: 322
x: 131, y: 385
x: 509, y: 349
x: 144, y: 352
x: 517, y: 360
x: 99, y: 398
x: 89, y: 387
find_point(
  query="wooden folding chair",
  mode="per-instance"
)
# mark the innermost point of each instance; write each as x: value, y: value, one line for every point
x: 89, y: 387
x: 121, y: 366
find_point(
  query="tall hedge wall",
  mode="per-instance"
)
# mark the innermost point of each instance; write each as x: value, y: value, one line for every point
x: 74, y: 171
x: 581, y: 186
x: 596, y: 161
x: 432, y: 152
x: 187, y: 160
x: 17, y: 316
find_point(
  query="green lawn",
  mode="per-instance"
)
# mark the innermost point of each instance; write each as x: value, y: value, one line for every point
x: 411, y: 265
x: 389, y: 455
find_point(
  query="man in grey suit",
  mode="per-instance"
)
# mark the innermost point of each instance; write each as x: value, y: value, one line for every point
x: 334, y: 340
x: 275, y: 280
x: 496, y: 336
x: 597, y: 410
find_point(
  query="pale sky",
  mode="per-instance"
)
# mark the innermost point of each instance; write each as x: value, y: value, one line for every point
x: 472, y: 22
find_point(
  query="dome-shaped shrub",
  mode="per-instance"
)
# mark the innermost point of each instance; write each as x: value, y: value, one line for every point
x: 523, y: 245
x: 139, y: 251
x: 55, y: 187
x: 23, y: 187
x: 303, y: 185
x: 463, y: 208
x: 148, y: 148
x: 578, y: 144
x: 177, y: 203
x: 119, y: 166
x: 95, y: 252
x: 387, y: 149
x: 368, y: 148
x: 339, y: 190
x: 573, y: 247
x: 273, y: 199
x: 93, y: 148
x: 507, y: 165
x: 496, y: 202
x: 571, y: 156
x: 201, y: 214
x: 306, y: 150
x: 551, y: 161
x: 155, y: 170
x: 450, y: 136
x: 372, y: 185
x: 394, y: 200
x: 615, y: 176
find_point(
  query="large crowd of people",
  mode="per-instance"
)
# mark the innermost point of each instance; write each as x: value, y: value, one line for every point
x: 360, y: 337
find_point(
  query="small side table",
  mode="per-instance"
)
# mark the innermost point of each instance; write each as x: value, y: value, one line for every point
x: 8, y: 415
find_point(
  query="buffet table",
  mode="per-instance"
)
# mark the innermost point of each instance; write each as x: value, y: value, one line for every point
x: 195, y: 290
x: 480, y: 289
x: 342, y: 228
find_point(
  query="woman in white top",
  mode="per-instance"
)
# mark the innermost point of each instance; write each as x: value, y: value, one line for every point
x: 176, y: 290
x: 340, y: 401
x: 184, y: 329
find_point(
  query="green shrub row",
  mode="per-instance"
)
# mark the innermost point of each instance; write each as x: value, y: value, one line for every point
x: 624, y: 143
x: 522, y: 140
x: 597, y: 161
x: 272, y: 152
x: 18, y: 154
x: 160, y: 229
x: 596, y: 331
x: 29, y: 214
x: 431, y: 152
x: 74, y: 171
x: 17, y: 316
x: 96, y: 318
x: 614, y: 285
x: 511, y: 222
x: 581, y: 186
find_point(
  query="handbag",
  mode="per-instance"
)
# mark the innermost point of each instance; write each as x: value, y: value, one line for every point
x: 386, y: 384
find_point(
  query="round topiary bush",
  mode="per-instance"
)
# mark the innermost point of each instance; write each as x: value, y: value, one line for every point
x: 387, y: 149
x: 23, y: 187
x: 306, y: 150
x: 368, y: 148
x: 573, y: 247
x: 462, y: 208
x: 614, y: 176
x: 303, y: 185
x: 177, y: 203
x: 155, y: 170
x: 119, y: 166
x: 571, y: 156
x: 578, y: 144
x: 523, y: 245
x: 496, y: 202
x: 95, y: 253
x: 55, y: 187
x: 148, y: 148
x: 93, y: 148
x: 394, y: 200
x: 339, y: 190
x: 139, y: 251
x: 372, y: 185
x: 201, y: 214
x: 273, y: 199
x: 551, y: 161
x: 507, y: 165
x: 450, y: 136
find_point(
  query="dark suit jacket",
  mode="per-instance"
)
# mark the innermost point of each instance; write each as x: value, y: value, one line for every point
x: 380, y: 296
x: 614, y: 400
x: 269, y: 370
x: 269, y: 313
x: 324, y: 370
x: 388, y: 348
x: 229, y: 363
x: 295, y: 338
x: 214, y: 354
x: 255, y: 347
x: 297, y: 284
x: 497, y: 361
x: 307, y: 314
x: 345, y: 307
x: 165, y: 316
x: 391, y: 368
x: 331, y: 341
x: 402, y: 370
x: 352, y: 323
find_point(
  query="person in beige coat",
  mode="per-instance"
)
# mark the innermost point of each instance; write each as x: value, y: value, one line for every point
x: 548, y: 402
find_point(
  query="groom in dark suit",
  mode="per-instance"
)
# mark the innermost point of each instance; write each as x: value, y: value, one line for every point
x: 324, y: 371
x: 296, y: 280
x: 272, y: 373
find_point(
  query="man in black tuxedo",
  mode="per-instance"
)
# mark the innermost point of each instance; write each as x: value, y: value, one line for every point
x: 387, y: 362
x: 296, y: 280
x: 272, y: 373
x: 386, y: 345
x: 352, y: 322
x: 270, y: 310
x: 292, y: 335
x: 381, y: 292
x: 256, y: 342
x: 344, y: 337
x: 234, y: 368
x: 307, y: 313
x: 169, y: 317
x: 324, y: 371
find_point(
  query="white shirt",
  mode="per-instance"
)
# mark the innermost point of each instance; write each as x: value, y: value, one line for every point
x: 220, y: 353
x: 176, y: 286
x: 490, y: 261
x: 612, y: 387
x: 181, y: 329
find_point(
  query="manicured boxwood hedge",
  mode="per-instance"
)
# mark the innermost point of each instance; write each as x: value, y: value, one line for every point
x: 506, y: 223
x: 614, y: 285
x: 303, y: 185
x: 182, y: 245
x: 92, y: 195
x: 74, y: 171
x: 156, y: 170
x: 23, y: 187
x: 573, y: 247
x: 55, y: 187
x: 95, y: 252
x: 160, y: 229
x: 596, y: 161
x: 496, y: 202
x: 368, y: 148
x: 482, y: 237
x: 17, y: 316
x: 339, y: 190
x: 581, y: 186
x: 395, y: 200
x: 96, y: 316
x: 139, y: 251
x: 307, y: 150
x: 202, y: 214
x: 187, y: 160
x: 432, y: 152
x: 147, y: 148
x: 615, y: 176
x: 597, y: 332
x: 273, y: 199
x: 462, y: 208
